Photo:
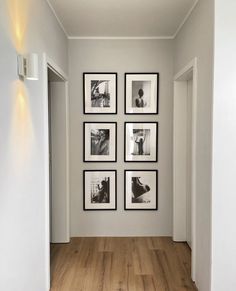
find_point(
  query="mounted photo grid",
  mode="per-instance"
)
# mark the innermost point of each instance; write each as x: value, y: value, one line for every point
x: 141, y: 189
x: 100, y: 93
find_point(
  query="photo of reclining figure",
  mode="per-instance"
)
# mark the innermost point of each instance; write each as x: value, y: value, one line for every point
x: 100, y: 190
x: 100, y: 93
x: 139, y: 190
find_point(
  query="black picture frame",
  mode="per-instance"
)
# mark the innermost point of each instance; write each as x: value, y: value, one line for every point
x: 155, y: 110
x: 99, y: 75
x: 96, y: 206
x: 130, y: 201
x: 96, y: 158
x: 156, y: 142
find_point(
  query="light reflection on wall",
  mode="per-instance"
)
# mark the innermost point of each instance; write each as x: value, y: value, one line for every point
x: 21, y: 128
x: 18, y: 15
x: 22, y: 134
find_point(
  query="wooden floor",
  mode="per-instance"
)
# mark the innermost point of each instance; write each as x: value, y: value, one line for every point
x: 124, y: 264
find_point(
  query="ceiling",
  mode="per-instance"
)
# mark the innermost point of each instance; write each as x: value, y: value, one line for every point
x: 122, y: 18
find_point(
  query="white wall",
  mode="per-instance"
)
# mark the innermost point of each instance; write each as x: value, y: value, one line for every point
x: 121, y: 56
x: 224, y: 149
x: 25, y: 26
x: 196, y: 40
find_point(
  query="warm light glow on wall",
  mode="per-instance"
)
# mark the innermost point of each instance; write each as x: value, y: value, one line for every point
x: 21, y: 102
x: 18, y: 14
x: 22, y: 134
x: 21, y: 139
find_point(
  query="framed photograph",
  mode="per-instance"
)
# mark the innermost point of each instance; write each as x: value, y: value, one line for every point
x: 141, y: 141
x: 100, y: 141
x: 141, y: 189
x: 100, y: 93
x: 141, y: 93
x: 100, y: 190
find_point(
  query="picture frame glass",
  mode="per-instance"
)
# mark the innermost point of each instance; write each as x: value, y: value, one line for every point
x: 99, y: 142
x: 100, y: 190
x: 141, y: 141
x: 100, y: 93
x: 141, y: 189
x: 141, y: 93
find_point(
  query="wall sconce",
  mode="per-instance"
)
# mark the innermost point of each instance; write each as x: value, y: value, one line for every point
x: 28, y: 66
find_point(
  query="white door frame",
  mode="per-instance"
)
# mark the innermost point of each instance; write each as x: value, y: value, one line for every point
x: 179, y: 229
x: 49, y: 63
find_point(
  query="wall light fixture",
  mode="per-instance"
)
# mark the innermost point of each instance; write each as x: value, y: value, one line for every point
x: 28, y: 66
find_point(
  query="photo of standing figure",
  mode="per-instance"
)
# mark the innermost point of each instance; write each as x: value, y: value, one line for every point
x: 141, y: 142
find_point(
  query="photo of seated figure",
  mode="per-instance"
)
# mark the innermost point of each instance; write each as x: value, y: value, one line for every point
x: 100, y: 191
x: 139, y: 101
x: 141, y: 91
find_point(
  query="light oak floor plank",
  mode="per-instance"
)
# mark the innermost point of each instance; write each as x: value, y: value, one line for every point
x: 121, y: 264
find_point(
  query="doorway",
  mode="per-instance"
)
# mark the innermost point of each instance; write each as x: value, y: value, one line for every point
x: 184, y: 159
x: 58, y: 157
x: 56, y: 121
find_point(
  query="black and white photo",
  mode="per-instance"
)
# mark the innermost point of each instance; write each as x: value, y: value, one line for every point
x: 141, y: 141
x: 99, y: 190
x: 100, y: 139
x: 141, y: 93
x: 141, y: 189
x: 100, y: 94
x: 100, y: 90
x: 100, y: 142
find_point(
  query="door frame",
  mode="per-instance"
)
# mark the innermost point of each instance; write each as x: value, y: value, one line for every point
x: 49, y: 63
x: 179, y: 230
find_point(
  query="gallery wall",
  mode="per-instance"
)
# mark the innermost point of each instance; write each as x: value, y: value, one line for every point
x: 121, y: 56
x: 196, y: 40
x: 25, y: 26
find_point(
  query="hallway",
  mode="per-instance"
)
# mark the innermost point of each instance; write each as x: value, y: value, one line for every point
x: 134, y: 264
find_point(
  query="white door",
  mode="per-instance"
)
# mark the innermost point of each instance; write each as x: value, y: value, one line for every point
x: 189, y: 161
x: 184, y: 158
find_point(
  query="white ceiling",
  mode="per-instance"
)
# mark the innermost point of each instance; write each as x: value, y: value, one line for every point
x: 122, y: 18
